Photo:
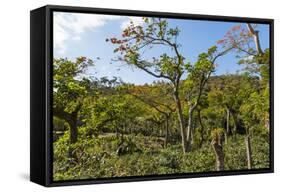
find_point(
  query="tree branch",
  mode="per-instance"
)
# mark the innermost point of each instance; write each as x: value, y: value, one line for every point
x: 150, y: 72
x: 150, y: 104
x: 256, y: 38
x: 60, y: 113
x: 221, y: 54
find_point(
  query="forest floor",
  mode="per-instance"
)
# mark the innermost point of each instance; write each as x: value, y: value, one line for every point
x: 109, y: 156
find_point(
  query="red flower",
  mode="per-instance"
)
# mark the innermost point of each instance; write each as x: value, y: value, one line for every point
x: 221, y: 41
x: 236, y: 28
x: 113, y: 40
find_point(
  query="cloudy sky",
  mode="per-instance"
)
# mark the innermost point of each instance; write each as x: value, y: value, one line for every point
x: 81, y: 34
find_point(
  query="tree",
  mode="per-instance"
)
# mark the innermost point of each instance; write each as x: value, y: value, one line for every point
x: 227, y: 92
x: 245, y: 41
x: 203, y: 104
x: 113, y: 110
x: 170, y: 68
x: 69, y: 91
x: 254, y: 112
x: 155, y: 32
x: 196, y: 80
x: 157, y: 97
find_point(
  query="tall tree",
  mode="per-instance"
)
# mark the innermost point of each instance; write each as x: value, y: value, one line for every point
x: 69, y: 91
x: 155, y: 32
x: 171, y: 68
x: 196, y: 80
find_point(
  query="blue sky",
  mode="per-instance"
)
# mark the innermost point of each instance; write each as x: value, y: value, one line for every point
x: 77, y: 34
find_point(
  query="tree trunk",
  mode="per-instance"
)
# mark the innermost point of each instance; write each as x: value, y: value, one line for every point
x: 228, y: 130
x: 192, y: 131
x: 256, y: 38
x: 248, y: 151
x: 217, y: 144
x: 234, y: 131
x: 202, y: 129
x: 181, y: 120
x: 73, y: 131
x: 72, y: 120
x: 189, y: 127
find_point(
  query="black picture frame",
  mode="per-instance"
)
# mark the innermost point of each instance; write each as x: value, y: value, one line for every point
x: 41, y: 55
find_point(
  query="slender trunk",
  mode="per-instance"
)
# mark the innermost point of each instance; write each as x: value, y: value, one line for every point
x: 228, y: 130
x: 192, y: 131
x: 234, y: 131
x: 189, y: 127
x: 234, y: 123
x: 217, y: 144
x: 248, y: 150
x: 202, y: 129
x: 181, y: 120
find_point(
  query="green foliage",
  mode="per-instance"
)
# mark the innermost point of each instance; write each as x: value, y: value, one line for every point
x: 127, y: 146
x: 98, y: 158
x: 106, y: 148
x: 235, y: 158
x: 132, y: 130
x: 69, y: 87
x: 217, y: 132
x: 256, y: 109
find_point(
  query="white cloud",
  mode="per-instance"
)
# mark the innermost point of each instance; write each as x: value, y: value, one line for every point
x: 136, y: 20
x: 70, y: 26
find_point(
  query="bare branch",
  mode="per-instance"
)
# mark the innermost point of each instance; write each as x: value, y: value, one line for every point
x: 256, y: 38
x: 221, y: 54
x: 161, y: 75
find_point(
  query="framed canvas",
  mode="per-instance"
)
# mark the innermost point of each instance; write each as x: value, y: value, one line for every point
x: 124, y: 95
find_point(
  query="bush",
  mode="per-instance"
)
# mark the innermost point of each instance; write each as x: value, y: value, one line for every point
x: 97, y: 157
